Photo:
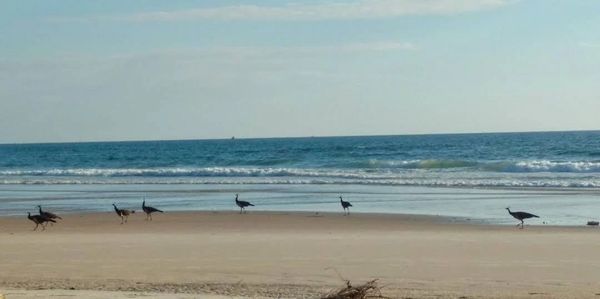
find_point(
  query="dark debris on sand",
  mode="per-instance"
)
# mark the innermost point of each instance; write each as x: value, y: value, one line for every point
x: 364, y: 291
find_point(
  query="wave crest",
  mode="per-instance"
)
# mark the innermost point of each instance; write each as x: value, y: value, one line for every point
x: 548, y: 166
x: 375, y: 170
x: 415, y: 164
x: 194, y: 172
x: 438, y: 182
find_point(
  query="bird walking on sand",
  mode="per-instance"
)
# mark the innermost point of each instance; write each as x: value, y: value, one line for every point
x: 521, y: 216
x: 149, y: 210
x: 346, y: 206
x: 124, y: 214
x: 39, y: 220
x: 48, y: 215
x: 242, y: 204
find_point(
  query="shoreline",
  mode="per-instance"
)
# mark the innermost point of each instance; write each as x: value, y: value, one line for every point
x: 530, y: 189
x: 439, y: 219
x: 479, y: 205
x: 399, y: 216
x: 206, y: 219
x: 488, y: 206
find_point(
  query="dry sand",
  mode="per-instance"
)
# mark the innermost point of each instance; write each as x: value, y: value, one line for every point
x: 293, y: 255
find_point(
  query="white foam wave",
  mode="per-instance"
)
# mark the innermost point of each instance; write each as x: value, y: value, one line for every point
x: 203, y: 172
x: 414, y: 164
x: 501, y: 174
x: 434, y: 182
x: 551, y: 166
x: 373, y: 169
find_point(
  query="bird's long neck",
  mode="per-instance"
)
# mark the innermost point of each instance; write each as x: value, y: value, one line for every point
x: 29, y: 215
x: 116, y: 209
x: 40, y: 208
x: 144, y: 204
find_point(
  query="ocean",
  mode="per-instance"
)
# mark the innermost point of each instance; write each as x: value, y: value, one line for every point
x: 474, y: 176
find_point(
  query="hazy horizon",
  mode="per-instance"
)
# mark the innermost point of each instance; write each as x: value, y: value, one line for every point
x: 302, y: 137
x: 74, y: 71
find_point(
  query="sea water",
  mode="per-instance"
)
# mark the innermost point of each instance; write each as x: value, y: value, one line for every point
x: 476, y: 176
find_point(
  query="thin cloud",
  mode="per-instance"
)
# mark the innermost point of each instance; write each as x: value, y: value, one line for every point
x: 290, y: 52
x: 589, y: 45
x: 361, y: 9
x: 376, y: 46
x: 215, y: 54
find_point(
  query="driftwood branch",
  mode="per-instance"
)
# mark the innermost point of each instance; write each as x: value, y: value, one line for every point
x: 364, y: 291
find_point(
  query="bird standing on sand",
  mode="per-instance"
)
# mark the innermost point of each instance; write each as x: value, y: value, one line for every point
x: 521, y: 216
x: 242, y: 204
x: 48, y: 214
x: 149, y: 210
x: 39, y: 220
x: 124, y: 214
x: 346, y: 205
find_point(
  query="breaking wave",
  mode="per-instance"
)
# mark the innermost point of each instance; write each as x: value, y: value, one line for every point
x: 550, y: 166
x: 196, y: 172
x: 502, y: 174
x: 449, y: 173
x: 464, y: 182
x: 415, y: 164
x: 368, y: 169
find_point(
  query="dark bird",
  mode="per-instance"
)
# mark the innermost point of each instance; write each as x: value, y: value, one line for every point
x: 242, y: 204
x: 346, y: 205
x: 124, y: 214
x: 521, y: 216
x: 39, y: 220
x: 48, y: 214
x: 149, y: 210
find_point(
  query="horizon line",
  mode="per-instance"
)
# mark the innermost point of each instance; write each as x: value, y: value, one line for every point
x: 293, y: 137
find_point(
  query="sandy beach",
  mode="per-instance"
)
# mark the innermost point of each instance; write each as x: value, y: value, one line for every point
x: 293, y: 255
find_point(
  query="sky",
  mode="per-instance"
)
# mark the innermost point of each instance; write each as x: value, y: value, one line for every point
x: 74, y: 70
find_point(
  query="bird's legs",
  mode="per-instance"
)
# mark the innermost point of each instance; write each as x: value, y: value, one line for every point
x: 122, y: 219
x: 522, y: 224
x: 36, y: 226
x: 241, y: 209
x: 150, y: 216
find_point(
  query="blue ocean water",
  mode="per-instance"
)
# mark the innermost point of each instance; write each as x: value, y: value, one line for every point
x: 295, y: 172
x: 563, y: 159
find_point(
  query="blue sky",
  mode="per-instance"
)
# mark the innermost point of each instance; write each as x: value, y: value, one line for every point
x: 136, y: 70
